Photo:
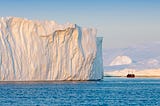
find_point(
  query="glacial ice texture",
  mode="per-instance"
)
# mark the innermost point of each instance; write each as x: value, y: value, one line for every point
x: 44, y: 50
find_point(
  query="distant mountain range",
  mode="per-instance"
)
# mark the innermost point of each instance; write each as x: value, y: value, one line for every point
x: 138, y: 57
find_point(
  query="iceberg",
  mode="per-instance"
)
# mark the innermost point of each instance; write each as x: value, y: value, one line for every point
x: 32, y: 50
x: 121, y: 60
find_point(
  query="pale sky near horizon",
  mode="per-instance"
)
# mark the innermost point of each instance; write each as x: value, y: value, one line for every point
x: 121, y: 22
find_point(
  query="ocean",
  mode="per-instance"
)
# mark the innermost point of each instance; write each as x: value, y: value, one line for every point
x: 111, y: 91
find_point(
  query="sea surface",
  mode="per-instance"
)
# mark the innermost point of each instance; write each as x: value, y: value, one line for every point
x: 108, y: 92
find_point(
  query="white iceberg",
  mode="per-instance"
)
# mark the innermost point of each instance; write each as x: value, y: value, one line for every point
x: 44, y: 50
x: 121, y: 60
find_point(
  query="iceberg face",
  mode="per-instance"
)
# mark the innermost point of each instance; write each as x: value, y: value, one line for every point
x: 44, y: 50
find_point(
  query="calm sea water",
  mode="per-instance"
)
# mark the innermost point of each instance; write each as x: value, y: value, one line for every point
x: 110, y: 91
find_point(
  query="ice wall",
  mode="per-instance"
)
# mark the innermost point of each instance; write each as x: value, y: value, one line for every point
x: 44, y: 50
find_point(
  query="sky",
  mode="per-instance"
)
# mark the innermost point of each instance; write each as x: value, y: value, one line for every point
x: 122, y: 23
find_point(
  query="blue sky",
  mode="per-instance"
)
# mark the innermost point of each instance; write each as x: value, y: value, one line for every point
x: 120, y: 22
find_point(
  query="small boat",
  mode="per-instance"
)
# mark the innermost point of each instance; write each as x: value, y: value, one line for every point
x: 130, y: 75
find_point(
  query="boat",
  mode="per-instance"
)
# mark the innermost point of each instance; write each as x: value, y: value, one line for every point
x: 130, y: 75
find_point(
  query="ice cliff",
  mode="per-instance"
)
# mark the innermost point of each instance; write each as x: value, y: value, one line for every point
x: 44, y: 50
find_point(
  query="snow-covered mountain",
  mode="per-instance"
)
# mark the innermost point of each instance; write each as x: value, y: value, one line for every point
x: 144, y: 57
x: 45, y: 50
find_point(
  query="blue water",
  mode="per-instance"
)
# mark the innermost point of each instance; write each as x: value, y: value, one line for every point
x: 110, y: 91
